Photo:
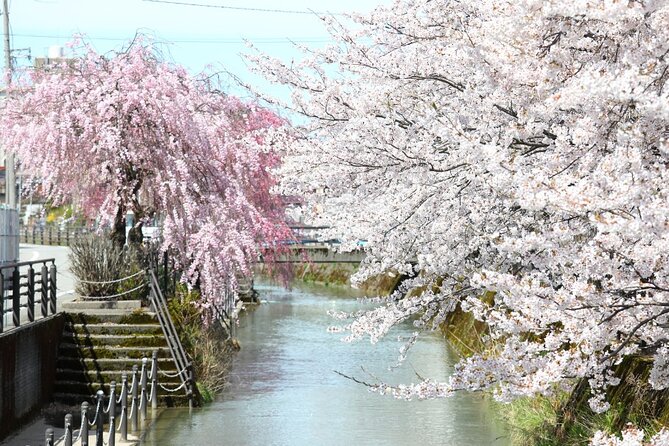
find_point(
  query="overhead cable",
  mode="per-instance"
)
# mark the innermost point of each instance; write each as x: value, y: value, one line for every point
x: 243, y: 8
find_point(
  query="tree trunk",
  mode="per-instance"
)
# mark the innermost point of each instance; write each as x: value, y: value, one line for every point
x: 135, y: 236
x: 117, y: 234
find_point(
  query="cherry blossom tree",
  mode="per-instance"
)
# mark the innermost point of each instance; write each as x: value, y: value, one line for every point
x: 131, y: 132
x: 518, y: 149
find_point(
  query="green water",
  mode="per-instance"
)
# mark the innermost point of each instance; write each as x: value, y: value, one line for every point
x: 283, y: 389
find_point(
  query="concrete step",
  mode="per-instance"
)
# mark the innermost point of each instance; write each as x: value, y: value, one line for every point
x: 109, y: 364
x: 124, y: 340
x: 83, y: 304
x: 117, y: 316
x: 100, y: 375
x: 165, y: 399
x: 68, y: 350
x: 116, y: 329
x: 106, y: 376
x: 84, y: 389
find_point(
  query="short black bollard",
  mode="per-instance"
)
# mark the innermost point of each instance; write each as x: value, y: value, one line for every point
x: 84, y: 424
x: 99, y: 428
x: 68, y: 430
x: 143, y: 396
x: 154, y: 380
x: 112, y: 414
x: 135, y: 399
x: 48, y: 440
x: 190, y: 390
x: 124, y: 406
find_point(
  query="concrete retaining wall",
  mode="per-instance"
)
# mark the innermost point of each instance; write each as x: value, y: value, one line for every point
x: 28, y: 358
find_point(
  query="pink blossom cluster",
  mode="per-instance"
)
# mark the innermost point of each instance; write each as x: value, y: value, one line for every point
x: 513, y: 150
x: 131, y: 132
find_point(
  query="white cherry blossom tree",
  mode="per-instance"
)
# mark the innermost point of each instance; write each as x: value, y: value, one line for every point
x: 515, y: 148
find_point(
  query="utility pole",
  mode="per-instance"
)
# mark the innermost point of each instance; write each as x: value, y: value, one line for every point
x: 10, y: 173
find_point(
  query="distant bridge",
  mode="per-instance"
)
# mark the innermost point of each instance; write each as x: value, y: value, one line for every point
x: 319, y: 253
x: 308, y: 248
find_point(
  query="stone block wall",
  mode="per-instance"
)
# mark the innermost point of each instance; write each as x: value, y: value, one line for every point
x: 28, y: 358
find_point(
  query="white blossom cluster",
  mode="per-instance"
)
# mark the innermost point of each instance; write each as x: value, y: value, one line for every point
x: 518, y: 149
x: 631, y: 436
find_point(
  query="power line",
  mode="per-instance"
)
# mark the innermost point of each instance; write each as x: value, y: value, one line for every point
x: 262, y: 40
x: 243, y: 8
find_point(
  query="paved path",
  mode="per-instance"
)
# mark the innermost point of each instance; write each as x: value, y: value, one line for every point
x: 33, y: 434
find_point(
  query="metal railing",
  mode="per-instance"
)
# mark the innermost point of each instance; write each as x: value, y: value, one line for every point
x: 22, y: 286
x: 133, y: 401
x: 181, y: 360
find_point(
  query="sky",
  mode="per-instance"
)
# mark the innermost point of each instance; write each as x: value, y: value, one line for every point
x: 194, y: 35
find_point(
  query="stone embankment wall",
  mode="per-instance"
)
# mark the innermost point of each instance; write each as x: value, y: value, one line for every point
x: 28, y: 358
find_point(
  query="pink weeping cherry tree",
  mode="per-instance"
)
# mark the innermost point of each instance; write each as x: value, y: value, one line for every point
x: 132, y: 132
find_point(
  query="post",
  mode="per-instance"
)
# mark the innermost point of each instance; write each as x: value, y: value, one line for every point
x: 190, y: 388
x: 48, y: 440
x: 44, y: 277
x: 16, y: 297
x: 68, y: 430
x: 84, y: 424
x: 52, y: 287
x: 2, y: 301
x: 10, y: 179
x: 135, y: 399
x: 154, y: 381
x: 99, y: 428
x: 58, y: 236
x: 112, y: 414
x: 31, y: 293
x: 165, y: 274
x: 143, y: 397
x: 50, y: 239
x: 124, y: 406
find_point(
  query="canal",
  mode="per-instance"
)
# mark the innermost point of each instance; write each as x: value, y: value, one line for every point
x: 283, y: 389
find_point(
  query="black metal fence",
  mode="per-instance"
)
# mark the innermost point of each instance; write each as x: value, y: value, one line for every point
x: 51, y: 235
x: 24, y: 285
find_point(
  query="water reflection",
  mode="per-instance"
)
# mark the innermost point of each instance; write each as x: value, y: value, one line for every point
x: 284, y: 392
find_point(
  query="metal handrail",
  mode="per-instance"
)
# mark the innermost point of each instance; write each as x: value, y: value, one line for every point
x: 181, y: 360
x: 39, y: 287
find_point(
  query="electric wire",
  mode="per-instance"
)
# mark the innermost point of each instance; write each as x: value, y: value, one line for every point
x: 243, y: 8
x: 229, y: 41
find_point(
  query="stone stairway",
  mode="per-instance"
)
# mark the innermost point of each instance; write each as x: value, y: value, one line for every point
x: 101, y: 340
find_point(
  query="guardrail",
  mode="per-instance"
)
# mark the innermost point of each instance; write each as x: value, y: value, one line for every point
x: 133, y: 400
x: 22, y: 287
x: 183, y: 363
